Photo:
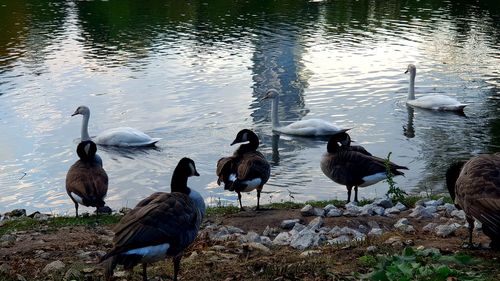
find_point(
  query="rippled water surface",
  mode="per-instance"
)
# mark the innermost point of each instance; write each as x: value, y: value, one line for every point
x: 193, y: 73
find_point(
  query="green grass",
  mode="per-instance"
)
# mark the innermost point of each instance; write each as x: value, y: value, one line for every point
x: 427, y: 264
x: 27, y: 223
x: 222, y: 210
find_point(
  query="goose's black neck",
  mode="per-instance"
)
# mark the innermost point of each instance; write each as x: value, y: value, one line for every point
x: 179, y: 180
x: 452, y: 175
x: 252, y: 145
x: 333, y: 146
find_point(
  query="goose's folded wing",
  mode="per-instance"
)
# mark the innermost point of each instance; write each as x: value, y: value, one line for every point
x: 253, y: 165
x: 169, y: 218
x: 487, y: 211
x: 224, y: 169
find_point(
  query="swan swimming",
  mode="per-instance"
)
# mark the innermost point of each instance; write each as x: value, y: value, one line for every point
x: 122, y: 136
x: 434, y: 101
x: 304, y: 128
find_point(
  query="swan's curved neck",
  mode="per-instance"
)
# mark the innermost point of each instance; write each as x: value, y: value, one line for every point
x: 274, y: 112
x: 85, y: 127
x: 411, y: 89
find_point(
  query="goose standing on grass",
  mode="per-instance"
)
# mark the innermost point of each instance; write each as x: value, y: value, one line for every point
x: 434, y: 101
x: 160, y: 226
x: 86, y: 180
x: 353, y: 167
x: 122, y: 136
x: 474, y: 186
x: 247, y: 169
x: 304, y: 128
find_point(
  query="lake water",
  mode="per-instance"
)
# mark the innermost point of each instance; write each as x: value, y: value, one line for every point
x: 192, y: 73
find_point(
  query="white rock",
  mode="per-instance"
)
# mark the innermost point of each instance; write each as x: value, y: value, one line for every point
x: 284, y: 238
x: 266, y: 241
x: 251, y: 237
x: 447, y: 229
x: 335, y: 231
x: 421, y: 212
x: 297, y: 228
x: 232, y: 229
x: 429, y: 227
x: 270, y: 231
x: 395, y: 241
x: 371, y: 249
x: 305, y: 239
x: 447, y: 208
x: 393, y: 210
x: 367, y: 210
x: 334, y: 213
x: 401, y: 222
x: 329, y: 207
x: 401, y: 206
x: 380, y: 211
x: 478, y: 225
x: 310, y: 253
x: 434, y: 203
x: 316, y: 223
x: 375, y: 232
x: 459, y: 214
x: 252, y: 246
x: 53, y: 267
x: 344, y: 239
x: 307, y: 210
x: 288, y: 224
x: 351, y: 209
x: 431, y: 209
x: 383, y: 202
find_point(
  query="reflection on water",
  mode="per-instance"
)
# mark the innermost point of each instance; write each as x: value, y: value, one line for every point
x: 193, y: 73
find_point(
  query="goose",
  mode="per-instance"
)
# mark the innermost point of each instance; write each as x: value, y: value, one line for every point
x: 86, y: 180
x: 247, y: 169
x: 352, y: 167
x: 346, y: 143
x: 474, y: 186
x: 435, y: 101
x: 160, y: 226
x: 121, y: 136
x: 304, y: 128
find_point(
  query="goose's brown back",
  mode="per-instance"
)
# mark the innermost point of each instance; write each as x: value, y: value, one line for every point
x: 477, y: 191
x: 89, y: 181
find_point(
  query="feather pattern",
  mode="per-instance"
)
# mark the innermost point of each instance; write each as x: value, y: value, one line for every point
x: 354, y: 166
x: 477, y: 192
x: 86, y: 180
x: 247, y: 169
x: 161, y: 225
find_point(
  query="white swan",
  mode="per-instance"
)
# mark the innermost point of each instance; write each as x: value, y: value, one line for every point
x: 122, y: 136
x: 305, y: 128
x: 435, y: 101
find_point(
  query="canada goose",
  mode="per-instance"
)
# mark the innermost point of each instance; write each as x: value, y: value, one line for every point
x: 474, y: 186
x: 346, y: 144
x: 86, y: 180
x: 160, y: 226
x: 122, y: 136
x: 353, y: 167
x: 304, y: 128
x: 247, y: 169
x: 434, y: 101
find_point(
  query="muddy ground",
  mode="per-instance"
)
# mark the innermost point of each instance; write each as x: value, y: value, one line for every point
x: 25, y: 254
